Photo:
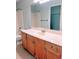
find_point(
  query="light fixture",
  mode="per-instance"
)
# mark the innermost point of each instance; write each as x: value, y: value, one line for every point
x: 43, y: 1
x: 40, y: 1
x: 36, y: 1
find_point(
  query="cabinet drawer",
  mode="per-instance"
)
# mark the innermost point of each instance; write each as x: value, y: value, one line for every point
x: 53, y: 48
x: 24, y: 39
x: 23, y: 35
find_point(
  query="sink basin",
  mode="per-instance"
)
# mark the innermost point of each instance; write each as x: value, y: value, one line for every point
x: 42, y: 32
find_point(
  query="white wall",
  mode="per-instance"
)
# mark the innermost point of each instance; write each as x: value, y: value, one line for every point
x: 25, y: 6
x: 36, y: 19
x: 45, y: 12
x: 45, y: 15
x: 19, y: 21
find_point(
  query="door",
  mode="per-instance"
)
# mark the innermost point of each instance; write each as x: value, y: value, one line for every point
x: 53, y: 51
x: 31, y: 46
x: 52, y: 54
x: 39, y: 49
x: 24, y: 40
x: 19, y: 21
x: 55, y: 17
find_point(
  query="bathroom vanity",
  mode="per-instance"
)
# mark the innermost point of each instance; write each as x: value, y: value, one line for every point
x: 42, y: 44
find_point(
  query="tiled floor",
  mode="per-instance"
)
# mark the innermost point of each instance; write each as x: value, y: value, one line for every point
x: 21, y: 53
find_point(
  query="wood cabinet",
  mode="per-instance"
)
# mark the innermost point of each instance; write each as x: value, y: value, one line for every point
x: 31, y: 44
x: 53, y: 51
x: 24, y: 39
x: 39, y: 48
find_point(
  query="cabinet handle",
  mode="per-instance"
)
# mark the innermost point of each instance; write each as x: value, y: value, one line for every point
x: 51, y: 46
x: 33, y: 42
x: 45, y: 48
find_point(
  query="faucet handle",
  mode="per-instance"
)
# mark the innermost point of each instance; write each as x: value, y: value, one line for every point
x: 43, y: 31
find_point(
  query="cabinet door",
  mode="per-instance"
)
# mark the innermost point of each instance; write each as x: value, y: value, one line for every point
x: 52, y: 55
x: 53, y: 51
x: 30, y: 44
x: 24, y: 40
x: 39, y: 48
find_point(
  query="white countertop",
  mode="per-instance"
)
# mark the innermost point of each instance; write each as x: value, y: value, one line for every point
x: 50, y: 36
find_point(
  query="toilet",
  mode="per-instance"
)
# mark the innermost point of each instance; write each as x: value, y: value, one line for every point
x: 18, y: 39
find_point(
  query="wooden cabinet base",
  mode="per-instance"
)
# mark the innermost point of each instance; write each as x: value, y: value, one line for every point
x: 39, y: 48
x: 24, y: 37
x: 53, y: 55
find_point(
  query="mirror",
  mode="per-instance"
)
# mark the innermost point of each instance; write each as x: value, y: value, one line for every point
x: 47, y: 15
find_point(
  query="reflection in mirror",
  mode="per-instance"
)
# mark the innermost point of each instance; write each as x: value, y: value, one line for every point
x: 47, y: 15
